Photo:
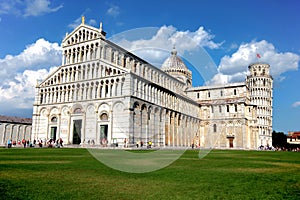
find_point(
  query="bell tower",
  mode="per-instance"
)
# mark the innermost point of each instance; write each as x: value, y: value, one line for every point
x: 260, y: 85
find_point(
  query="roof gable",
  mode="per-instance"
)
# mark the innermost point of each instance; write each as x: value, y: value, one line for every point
x: 83, y: 33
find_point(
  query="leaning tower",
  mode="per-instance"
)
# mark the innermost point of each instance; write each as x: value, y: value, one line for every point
x: 260, y: 85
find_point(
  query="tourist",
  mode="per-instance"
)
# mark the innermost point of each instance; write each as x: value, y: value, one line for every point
x: 57, y: 143
x: 61, y: 142
x: 49, y: 143
x: 24, y: 143
x: 104, y: 142
x: 125, y: 143
x: 40, y: 143
x: 9, y: 143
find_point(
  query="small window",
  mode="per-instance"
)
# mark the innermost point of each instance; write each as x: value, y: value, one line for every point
x: 235, y: 108
x: 215, y: 128
x: 198, y: 95
x: 227, y: 107
x: 234, y: 92
x: 208, y: 94
x: 220, y: 109
x: 124, y: 63
x: 134, y: 67
x: 212, y: 109
x: 221, y: 93
x: 113, y: 57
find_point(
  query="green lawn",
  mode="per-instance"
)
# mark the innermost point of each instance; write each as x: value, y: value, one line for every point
x: 76, y: 174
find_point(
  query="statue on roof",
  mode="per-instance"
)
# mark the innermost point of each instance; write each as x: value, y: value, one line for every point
x: 82, y: 19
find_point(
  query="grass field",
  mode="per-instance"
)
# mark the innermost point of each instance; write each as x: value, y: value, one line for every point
x: 76, y: 174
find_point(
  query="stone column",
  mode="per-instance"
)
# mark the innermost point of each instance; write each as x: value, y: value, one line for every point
x: 171, y: 132
x: 176, y: 135
x: 102, y: 90
x: 4, y: 137
x: 58, y: 125
x: 58, y: 96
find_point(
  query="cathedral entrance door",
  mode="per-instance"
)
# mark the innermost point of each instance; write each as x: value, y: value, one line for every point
x: 77, y: 125
x: 53, y: 133
x: 103, y: 134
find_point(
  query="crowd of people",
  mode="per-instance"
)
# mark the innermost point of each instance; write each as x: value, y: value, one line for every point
x: 24, y: 143
x: 36, y: 143
x: 295, y: 149
x: 277, y: 148
x: 141, y: 144
x: 52, y: 143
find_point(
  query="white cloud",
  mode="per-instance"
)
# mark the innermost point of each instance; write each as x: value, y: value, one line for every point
x: 27, y: 7
x: 39, y: 54
x: 113, y: 10
x: 296, y: 104
x: 218, y: 79
x: 156, y: 47
x: 19, y: 73
x: 39, y: 7
x: 8, y: 6
x: 19, y: 93
x: 234, y: 67
x: 168, y: 36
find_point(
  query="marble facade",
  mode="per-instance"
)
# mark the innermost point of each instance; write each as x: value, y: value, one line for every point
x: 104, y: 95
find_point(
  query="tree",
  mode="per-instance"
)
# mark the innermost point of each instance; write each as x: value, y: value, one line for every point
x: 279, y: 139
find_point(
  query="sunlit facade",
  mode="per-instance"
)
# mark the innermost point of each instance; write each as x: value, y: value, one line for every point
x: 103, y: 95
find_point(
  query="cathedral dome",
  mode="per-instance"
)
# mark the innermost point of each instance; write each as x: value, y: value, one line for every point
x: 174, y: 66
x: 173, y: 62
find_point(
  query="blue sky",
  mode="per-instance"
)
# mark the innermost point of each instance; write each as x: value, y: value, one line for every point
x: 231, y: 31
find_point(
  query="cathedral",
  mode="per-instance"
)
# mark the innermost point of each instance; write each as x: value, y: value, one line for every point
x: 103, y: 95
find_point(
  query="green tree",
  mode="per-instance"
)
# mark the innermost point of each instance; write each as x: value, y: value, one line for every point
x: 279, y: 139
